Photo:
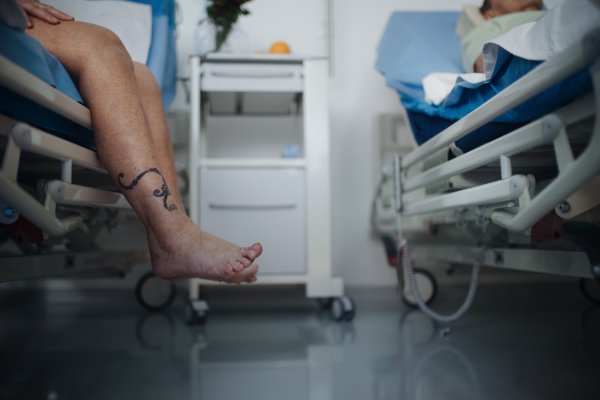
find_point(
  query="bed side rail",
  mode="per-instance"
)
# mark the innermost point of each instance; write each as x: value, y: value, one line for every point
x: 33, y: 88
x: 22, y: 136
x: 573, y: 173
x: 550, y: 72
x: 515, y: 208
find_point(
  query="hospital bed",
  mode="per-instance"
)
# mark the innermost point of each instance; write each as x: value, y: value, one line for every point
x: 522, y: 197
x: 55, y: 195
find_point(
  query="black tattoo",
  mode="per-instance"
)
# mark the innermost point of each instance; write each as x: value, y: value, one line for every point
x: 163, y: 192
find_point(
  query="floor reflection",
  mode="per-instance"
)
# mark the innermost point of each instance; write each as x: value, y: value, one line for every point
x: 425, y: 368
x: 269, y: 356
x: 518, y: 342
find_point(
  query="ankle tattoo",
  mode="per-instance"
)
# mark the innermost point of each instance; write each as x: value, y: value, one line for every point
x: 163, y: 192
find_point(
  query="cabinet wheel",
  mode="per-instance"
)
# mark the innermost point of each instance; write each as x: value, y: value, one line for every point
x: 343, y: 309
x: 192, y: 316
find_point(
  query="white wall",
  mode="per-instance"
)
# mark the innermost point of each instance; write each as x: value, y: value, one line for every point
x: 358, y: 96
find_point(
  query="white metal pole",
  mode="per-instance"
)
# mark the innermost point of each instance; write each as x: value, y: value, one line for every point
x: 194, y: 137
x: 505, y: 166
x: 66, y: 171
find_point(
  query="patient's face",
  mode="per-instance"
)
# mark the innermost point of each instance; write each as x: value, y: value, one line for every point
x: 502, y: 7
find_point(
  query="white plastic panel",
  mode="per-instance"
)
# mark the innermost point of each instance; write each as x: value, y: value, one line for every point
x: 258, y: 205
x: 232, y: 77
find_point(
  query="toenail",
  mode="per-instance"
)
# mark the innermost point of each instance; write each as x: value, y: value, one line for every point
x: 252, y: 253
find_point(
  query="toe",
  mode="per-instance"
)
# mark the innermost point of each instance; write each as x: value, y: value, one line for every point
x: 253, y: 251
x: 228, y: 269
x: 238, y: 266
x: 245, y: 262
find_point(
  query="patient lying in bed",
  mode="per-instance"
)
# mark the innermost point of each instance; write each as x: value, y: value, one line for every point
x: 133, y: 143
x: 500, y: 17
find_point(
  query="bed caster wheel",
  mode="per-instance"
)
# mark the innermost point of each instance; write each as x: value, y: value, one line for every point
x: 324, y: 302
x: 427, y: 288
x: 342, y: 309
x: 153, y: 293
x: 590, y: 289
x: 194, y: 312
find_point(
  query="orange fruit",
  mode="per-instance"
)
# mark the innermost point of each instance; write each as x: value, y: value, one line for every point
x: 280, y: 48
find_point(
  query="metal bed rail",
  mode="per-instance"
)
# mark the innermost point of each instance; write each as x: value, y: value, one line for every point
x: 59, y: 194
x: 515, y: 207
x: 550, y: 72
x: 23, y: 137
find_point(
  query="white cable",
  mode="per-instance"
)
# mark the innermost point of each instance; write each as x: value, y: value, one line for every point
x: 417, y: 295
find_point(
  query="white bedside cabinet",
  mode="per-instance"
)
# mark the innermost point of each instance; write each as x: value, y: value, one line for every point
x: 244, y: 110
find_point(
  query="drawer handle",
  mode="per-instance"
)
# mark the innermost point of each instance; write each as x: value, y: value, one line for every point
x: 249, y: 74
x: 242, y: 206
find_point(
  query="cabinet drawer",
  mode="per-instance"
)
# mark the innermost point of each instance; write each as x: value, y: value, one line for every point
x: 258, y: 205
x: 225, y: 77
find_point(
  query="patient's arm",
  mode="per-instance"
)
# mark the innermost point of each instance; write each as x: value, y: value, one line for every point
x: 124, y: 100
x: 478, y: 66
x: 43, y: 12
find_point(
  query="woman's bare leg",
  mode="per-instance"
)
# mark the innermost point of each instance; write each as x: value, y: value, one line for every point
x: 104, y: 74
x: 154, y: 111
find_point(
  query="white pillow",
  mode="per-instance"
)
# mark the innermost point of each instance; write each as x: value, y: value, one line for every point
x: 131, y: 22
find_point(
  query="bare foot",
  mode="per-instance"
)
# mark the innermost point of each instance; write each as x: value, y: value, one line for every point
x: 185, y: 251
x: 246, y: 276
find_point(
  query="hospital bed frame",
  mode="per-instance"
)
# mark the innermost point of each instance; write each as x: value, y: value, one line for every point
x: 82, y: 207
x: 511, y: 202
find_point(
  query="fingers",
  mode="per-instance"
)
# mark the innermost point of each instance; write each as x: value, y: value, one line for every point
x: 59, y: 14
x: 45, y: 13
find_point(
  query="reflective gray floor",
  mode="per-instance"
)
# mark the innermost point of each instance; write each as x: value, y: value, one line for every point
x: 520, y: 341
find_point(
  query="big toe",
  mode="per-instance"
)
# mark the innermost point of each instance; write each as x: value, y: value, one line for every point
x: 254, y: 251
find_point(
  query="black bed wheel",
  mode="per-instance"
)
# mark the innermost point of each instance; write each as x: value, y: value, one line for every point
x: 590, y: 289
x: 324, y: 302
x: 153, y: 293
x: 427, y: 288
x: 343, y: 309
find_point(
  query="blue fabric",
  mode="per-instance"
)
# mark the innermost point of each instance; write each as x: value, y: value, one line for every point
x: 425, y: 126
x: 158, y: 6
x: 162, y: 57
x: 29, y: 54
x: 466, y: 97
x: 418, y: 43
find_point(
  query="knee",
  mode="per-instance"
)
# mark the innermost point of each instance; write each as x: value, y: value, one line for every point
x: 102, y: 46
x: 146, y: 81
